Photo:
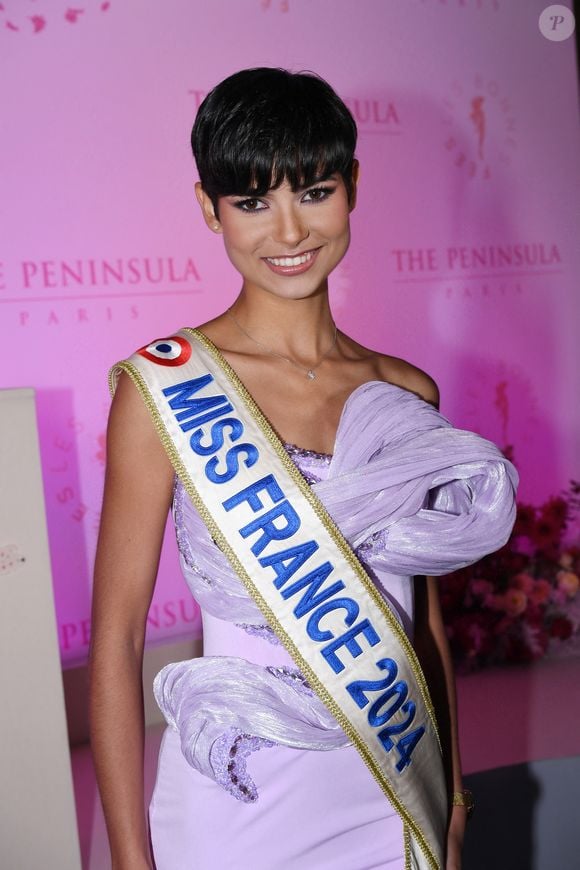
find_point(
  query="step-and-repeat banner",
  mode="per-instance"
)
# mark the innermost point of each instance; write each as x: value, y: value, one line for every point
x: 464, y: 257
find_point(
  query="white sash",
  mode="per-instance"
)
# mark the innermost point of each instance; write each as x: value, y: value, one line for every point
x: 301, y: 573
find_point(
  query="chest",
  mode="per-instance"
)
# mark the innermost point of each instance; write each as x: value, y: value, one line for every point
x: 302, y: 413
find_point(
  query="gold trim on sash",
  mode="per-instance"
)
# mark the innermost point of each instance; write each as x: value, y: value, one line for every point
x: 411, y: 830
x: 407, y: 846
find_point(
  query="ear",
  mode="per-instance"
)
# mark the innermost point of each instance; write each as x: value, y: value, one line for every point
x: 355, y: 178
x: 207, y: 208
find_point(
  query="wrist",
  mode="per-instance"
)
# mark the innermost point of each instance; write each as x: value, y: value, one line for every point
x: 137, y: 862
x: 464, y: 799
x: 135, y: 857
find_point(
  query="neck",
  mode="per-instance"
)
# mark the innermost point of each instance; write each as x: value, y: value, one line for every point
x: 299, y: 328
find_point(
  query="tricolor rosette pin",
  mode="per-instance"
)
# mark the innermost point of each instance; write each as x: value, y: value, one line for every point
x: 173, y: 351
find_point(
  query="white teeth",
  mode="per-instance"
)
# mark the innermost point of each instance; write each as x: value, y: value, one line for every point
x: 291, y: 261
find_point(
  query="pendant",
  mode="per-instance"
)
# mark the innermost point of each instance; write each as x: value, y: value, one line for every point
x: 310, y: 375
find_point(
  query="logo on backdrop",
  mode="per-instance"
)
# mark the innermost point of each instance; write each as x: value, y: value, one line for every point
x: 477, y: 271
x: 375, y: 115
x: 16, y: 20
x: 169, y: 618
x: 372, y: 114
x: 75, y: 291
x: 479, y: 124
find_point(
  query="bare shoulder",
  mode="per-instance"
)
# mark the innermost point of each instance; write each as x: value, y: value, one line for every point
x: 408, y: 376
x: 393, y: 369
x: 128, y: 415
x: 403, y: 374
x: 132, y: 439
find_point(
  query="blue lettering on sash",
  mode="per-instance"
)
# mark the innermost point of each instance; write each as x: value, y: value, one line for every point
x: 389, y: 688
x: 266, y: 523
x: 202, y: 406
x: 216, y: 435
x: 232, y: 463
x: 202, y: 409
x: 250, y: 494
x: 295, y: 556
x: 280, y: 521
x: 312, y: 583
x: 181, y: 392
x: 313, y: 625
x: 216, y: 411
x: 191, y: 413
x: 348, y: 640
x: 398, y: 693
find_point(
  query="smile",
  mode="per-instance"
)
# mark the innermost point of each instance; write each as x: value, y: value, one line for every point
x: 292, y: 265
x: 291, y: 261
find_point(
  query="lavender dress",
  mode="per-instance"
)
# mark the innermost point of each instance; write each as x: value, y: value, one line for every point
x: 412, y: 495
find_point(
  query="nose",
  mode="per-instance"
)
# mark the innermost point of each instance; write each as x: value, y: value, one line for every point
x: 290, y: 228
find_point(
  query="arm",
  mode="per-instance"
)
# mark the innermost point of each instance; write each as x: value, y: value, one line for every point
x: 434, y: 655
x: 138, y: 488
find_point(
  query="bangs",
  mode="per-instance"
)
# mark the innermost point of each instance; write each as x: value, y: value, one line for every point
x: 301, y: 157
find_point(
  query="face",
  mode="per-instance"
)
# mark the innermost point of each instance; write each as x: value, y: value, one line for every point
x: 286, y: 242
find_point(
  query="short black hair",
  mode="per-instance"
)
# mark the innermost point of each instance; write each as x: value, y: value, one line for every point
x: 262, y: 126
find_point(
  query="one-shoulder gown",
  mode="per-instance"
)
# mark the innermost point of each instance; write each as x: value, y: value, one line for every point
x: 253, y: 771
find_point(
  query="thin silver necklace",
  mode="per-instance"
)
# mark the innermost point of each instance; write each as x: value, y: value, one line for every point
x: 310, y: 372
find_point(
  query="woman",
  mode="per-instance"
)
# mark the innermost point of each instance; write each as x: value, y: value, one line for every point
x: 278, y: 179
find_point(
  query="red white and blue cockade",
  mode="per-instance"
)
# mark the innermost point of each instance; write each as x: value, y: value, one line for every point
x: 172, y: 351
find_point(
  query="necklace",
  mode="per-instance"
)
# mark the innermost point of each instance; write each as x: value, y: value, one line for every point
x: 310, y: 372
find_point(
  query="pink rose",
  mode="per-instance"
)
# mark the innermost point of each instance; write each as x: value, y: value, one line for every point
x: 513, y: 602
x: 568, y: 582
x: 541, y: 592
x: 523, y: 581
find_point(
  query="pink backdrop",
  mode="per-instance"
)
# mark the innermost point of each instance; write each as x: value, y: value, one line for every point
x: 464, y: 257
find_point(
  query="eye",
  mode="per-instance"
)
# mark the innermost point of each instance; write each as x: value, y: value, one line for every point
x: 318, y: 194
x: 251, y: 204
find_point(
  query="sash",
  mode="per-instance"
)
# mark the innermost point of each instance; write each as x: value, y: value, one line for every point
x: 302, y: 574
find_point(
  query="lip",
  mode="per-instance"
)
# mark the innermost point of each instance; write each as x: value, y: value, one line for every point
x: 292, y: 269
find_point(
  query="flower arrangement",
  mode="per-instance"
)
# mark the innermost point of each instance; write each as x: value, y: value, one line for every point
x: 523, y: 601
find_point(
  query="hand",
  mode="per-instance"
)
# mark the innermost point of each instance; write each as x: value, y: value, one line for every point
x: 455, y: 835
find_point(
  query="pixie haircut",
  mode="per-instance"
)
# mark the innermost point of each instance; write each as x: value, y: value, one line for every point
x: 262, y: 126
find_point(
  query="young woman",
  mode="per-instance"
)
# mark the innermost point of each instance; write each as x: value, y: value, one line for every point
x: 410, y: 494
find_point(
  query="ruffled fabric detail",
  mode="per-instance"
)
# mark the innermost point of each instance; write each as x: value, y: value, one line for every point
x: 444, y: 496
x: 264, y: 632
x: 225, y: 708
x: 227, y: 758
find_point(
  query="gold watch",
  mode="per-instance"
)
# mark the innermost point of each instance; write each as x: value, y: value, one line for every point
x: 464, y: 799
